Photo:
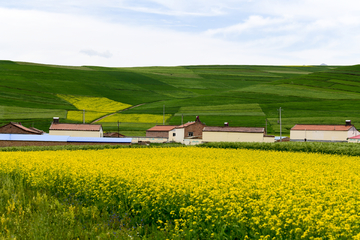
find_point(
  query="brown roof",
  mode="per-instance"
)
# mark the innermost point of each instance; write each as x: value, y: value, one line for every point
x: 186, y: 124
x: 234, y: 129
x: 162, y: 128
x: 113, y: 134
x: 29, y: 130
x: 75, y: 127
x: 322, y: 127
x: 36, y: 130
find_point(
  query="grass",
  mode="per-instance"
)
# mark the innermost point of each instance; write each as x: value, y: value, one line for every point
x: 38, y: 214
x: 310, y: 147
x: 11, y: 112
x: 241, y: 95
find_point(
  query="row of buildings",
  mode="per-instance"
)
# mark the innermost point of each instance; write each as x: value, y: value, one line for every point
x: 196, y: 132
x: 191, y: 133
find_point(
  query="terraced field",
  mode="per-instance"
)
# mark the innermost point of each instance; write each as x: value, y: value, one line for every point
x: 241, y: 95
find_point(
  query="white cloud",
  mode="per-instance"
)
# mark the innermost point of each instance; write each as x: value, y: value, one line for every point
x: 251, y: 24
x: 91, y: 53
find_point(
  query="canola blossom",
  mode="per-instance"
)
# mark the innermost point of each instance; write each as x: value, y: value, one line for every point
x: 95, y: 107
x: 208, y: 193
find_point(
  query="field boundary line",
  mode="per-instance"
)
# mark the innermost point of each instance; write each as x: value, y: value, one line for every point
x: 110, y: 114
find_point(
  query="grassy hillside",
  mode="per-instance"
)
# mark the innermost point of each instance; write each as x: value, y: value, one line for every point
x: 241, y: 95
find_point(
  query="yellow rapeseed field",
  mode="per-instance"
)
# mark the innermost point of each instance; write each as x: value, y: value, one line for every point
x: 95, y: 107
x: 208, y: 193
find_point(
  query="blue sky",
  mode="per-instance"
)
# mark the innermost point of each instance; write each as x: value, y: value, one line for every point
x: 127, y: 33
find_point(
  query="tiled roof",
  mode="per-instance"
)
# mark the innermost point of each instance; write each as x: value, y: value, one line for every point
x: 234, y: 129
x: 355, y: 137
x: 321, y: 127
x: 37, y: 131
x: 186, y: 124
x: 75, y: 127
x: 162, y: 128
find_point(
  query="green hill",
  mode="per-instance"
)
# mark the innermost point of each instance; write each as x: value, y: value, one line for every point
x: 241, y: 95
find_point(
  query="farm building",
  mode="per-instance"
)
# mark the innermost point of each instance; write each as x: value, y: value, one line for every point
x: 355, y: 139
x: 159, y: 131
x: 236, y: 134
x: 114, y: 135
x: 323, y: 133
x: 17, y: 128
x: 76, y: 130
x: 192, y: 130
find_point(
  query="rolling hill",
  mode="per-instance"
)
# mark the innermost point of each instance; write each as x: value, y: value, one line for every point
x: 136, y: 97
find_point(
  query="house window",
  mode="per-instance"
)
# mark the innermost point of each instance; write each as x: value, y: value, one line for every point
x: 191, y: 134
x: 174, y: 134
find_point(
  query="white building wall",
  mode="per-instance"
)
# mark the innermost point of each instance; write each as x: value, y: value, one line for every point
x: 332, y: 136
x: 76, y: 133
x: 232, y: 137
x: 192, y: 141
x: 353, y: 132
x: 179, y: 135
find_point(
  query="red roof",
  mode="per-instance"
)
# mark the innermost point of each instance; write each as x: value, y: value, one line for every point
x: 186, y: 124
x: 162, y: 128
x: 355, y: 137
x: 322, y: 127
x: 234, y: 129
x: 75, y: 127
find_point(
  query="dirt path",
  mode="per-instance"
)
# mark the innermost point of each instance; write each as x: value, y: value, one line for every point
x: 117, y: 112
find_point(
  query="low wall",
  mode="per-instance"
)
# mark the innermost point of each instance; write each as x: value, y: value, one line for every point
x: 39, y: 143
x: 148, y: 139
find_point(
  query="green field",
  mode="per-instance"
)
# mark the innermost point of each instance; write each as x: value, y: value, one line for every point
x: 241, y: 95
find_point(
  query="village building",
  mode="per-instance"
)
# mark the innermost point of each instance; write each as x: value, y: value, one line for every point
x: 323, y: 133
x: 159, y: 131
x: 17, y: 128
x: 76, y: 130
x: 236, y: 134
x: 113, y: 135
x: 190, y: 130
x: 355, y: 139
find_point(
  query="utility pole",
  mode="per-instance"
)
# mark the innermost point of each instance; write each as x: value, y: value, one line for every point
x: 182, y: 119
x: 84, y: 116
x: 118, y: 129
x: 163, y: 114
x: 280, y: 123
x: 265, y: 125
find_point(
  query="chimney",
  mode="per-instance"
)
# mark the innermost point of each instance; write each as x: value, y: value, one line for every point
x: 226, y: 124
x: 347, y: 122
x: 55, y: 119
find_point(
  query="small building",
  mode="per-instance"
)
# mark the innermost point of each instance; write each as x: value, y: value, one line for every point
x: 76, y: 130
x: 192, y: 130
x: 355, y: 139
x: 159, y: 131
x: 17, y: 128
x: 323, y: 133
x: 114, y: 135
x: 236, y: 134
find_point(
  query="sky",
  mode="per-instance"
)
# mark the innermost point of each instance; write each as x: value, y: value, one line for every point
x: 132, y: 33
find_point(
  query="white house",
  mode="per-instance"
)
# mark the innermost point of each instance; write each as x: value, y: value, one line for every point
x: 76, y: 130
x: 236, y: 134
x: 323, y: 133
